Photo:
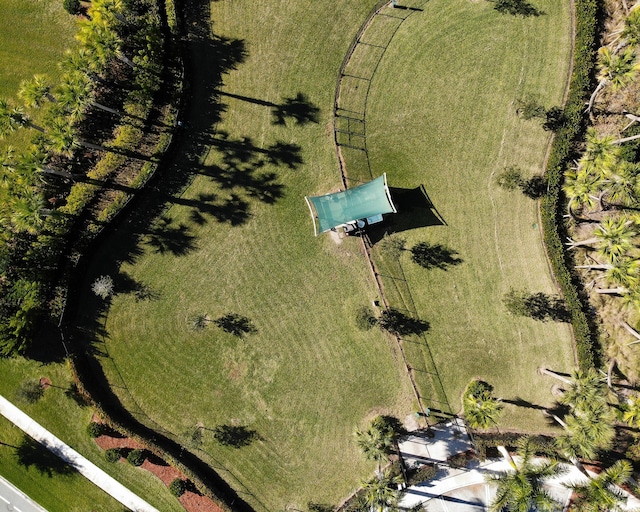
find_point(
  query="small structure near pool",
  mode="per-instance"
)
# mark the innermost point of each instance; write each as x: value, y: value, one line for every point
x: 353, y: 208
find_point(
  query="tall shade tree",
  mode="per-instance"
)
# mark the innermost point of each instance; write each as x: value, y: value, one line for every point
x: 602, y: 493
x: 615, y: 69
x: 521, y: 489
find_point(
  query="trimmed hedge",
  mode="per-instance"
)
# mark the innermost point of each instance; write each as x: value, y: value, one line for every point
x: 552, y: 205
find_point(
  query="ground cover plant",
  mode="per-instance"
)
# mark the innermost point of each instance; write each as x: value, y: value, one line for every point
x: 238, y: 244
x: 454, y: 128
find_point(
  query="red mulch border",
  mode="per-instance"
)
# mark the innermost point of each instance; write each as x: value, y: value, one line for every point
x: 191, y: 501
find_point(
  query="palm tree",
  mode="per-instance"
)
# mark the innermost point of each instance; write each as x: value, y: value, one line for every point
x: 587, y: 388
x: 376, y: 444
x: 602, y: 493
x: 76, y: 94
x: 379, y: 493
x: 613, y: 237
x: 62, y: 139
x: 622, y: 185
x: 587, y: 431
x: 616, y: 69
x: 521, y: 489
x: 631, y: 411
x: 26, y: 212
x: 103, y: 42
x: 580, y: 188
x: 481, y: 408
x: 35, y: 91
x: 601, y: 152
x: 13, y: 118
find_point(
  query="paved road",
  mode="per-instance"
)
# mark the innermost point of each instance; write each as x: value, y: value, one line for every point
x: 85, y: 467
x: 12, y: 498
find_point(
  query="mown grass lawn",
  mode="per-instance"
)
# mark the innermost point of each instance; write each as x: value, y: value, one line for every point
x: 441, y: 113
x: 43, y: 476
x: 33, y: 37
x: 239, y: 240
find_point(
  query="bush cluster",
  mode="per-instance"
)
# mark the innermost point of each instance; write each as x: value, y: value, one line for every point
x: 178, y: 487
x: 561, y: 154
x: 136, y: 457
x: 95, y: 429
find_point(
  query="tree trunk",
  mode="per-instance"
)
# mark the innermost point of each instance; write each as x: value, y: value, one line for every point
x: 631, y: 331
x: 92, y: 146
x: 105, y: 108
x: 626, y: 139
x: 588, y: 241
x: 595, y: 93
x: 507, y: 456
x: 612, y: 291
x: 545, y: 371
x: 54, y: 172
x: 612, y: 366
x: 596, y: 267
x: 125, y: 59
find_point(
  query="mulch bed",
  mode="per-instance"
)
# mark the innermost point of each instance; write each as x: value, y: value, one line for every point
x: 191, y: 501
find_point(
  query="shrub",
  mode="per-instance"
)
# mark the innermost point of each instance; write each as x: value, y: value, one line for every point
x: 30, y: 391
x: 510, y: 178
x: 178, y: 487
x: 95, y: 429
x: 365, y: 319
x: 113, y: 454
x: 422, y: 474
x: 458, y: 461
x: 103, y: 287
x: 136, y: 457
x: 71, y: 6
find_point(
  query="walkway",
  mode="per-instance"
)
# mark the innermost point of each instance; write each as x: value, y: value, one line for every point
x: 73, y: 458
x: 15, y: 499
x: 465, y: 490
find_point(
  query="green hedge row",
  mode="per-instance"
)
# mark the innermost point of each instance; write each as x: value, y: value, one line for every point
x: 562, y: 151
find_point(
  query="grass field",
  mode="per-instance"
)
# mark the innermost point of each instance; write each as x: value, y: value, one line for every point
x: 307, y: 378
x: 452, y: 128
x: 239, y: 240
x: 42, y: 476
x: 33, y: 37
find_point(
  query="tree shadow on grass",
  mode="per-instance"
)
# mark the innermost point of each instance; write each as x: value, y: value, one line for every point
x: 31, y: 453
x: 434, y: 256
x: 235, y: 436
x: 398, y: 323
x: 521, y: 402
x: 517, y: 8
x: 236, y: 324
